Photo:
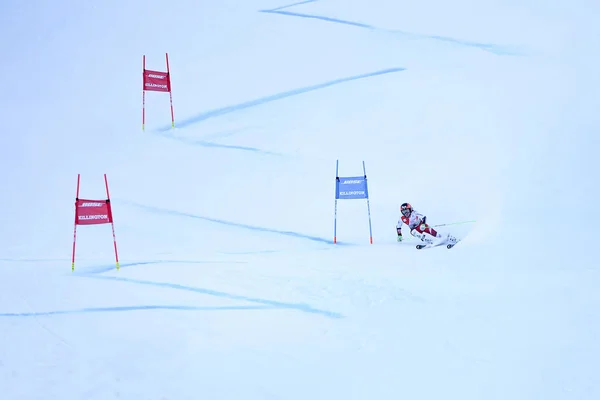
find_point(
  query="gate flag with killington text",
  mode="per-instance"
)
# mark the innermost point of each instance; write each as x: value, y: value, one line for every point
x: 93, y: 212
x: 156, y: 81
x: 351, y: 188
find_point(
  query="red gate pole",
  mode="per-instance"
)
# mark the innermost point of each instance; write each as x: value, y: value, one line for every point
x: 75, y: 228
x: 111, y: 221
x: 170, y: 94
x: 143, y: 93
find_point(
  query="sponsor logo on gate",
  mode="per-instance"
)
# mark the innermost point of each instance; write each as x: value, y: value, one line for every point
x: 85, y: 217
x: 156, y: 85
x: 353, y: 193
x: 94, y: 204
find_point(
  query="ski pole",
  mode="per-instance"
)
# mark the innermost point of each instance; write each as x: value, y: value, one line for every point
x: 453, y: 223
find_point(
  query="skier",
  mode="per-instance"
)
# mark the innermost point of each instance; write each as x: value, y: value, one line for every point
x: 417, y: 223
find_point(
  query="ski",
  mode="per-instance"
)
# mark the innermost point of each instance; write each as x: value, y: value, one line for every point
x: 451, y: 245
x: 448, y: 245
x: 427, y: 246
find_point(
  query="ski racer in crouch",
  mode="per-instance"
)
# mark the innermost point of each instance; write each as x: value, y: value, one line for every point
x: 418, y: 226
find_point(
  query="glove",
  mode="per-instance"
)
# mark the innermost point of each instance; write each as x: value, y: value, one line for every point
x: 399, y: 238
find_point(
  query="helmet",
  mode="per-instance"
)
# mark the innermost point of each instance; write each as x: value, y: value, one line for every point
x: 406, y: 209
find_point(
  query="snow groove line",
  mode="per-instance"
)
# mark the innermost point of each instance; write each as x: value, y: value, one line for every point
x: 277, y: 96
x: 271, y: 304
x: 294, y: 5
x: 488, y: 47
x: 233, y: 224
x: 327, y: 19
x: 108, y: 268
x: 260, y: 303
x: 94, y: 273
x: 204, y: 143
x: 87, y: 310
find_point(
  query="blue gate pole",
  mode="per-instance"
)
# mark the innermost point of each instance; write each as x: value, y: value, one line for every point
x: 337, y: 178
x: 368, y: 205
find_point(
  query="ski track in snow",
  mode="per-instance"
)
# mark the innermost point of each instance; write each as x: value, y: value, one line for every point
x: 204, y: 143
x: 96, y: 273
x: 488, y: 47
x: 274, y: 97
x: 256, y: 228
x: 282, y: 10
x: 127, y: 308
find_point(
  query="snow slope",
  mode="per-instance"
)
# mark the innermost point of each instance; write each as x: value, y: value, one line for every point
x: 230, y: 286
